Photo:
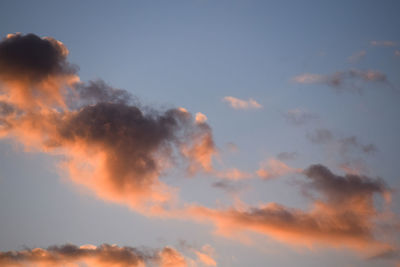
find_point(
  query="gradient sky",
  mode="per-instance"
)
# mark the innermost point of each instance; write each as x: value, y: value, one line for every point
x: 284, y: 85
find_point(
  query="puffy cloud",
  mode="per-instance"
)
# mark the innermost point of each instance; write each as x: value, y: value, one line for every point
x: 299, y: 117
x: 350, y: 80
x: 200, y: 117
x: 34, y: 71
x: 237, y: 103
x: 103, y: 255
x: 110, y: 144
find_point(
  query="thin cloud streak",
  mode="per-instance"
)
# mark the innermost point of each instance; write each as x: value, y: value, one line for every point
x: 383, y: 43
x: 357, y: 56
x: 350, y: 80
x: 299, y: 117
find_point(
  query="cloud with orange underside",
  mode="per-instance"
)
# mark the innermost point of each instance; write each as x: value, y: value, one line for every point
x: 238, y: 103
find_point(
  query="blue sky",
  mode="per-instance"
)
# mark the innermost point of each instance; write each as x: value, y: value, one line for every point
x: 192, y: 54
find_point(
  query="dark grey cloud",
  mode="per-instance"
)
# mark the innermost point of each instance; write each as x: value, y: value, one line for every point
x: 98, y: 91
x: 348, y: 189
x: 32, y: 57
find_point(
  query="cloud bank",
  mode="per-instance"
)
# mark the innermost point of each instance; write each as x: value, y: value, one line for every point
x: 113, y: 147
x: 92, y: 256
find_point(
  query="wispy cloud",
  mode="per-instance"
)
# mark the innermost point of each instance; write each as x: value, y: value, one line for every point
x: 237, y: 103
x: 344, y: 144
x: 351, y: 80
x: 287, y: 156
x: 273, y: 168
x: 397, y: 53
x: 357, y: 56
x: 383, y: 43
x: 299, y: 116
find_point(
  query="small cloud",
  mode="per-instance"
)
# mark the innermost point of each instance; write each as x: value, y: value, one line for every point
x: 350, y: 80
x: 320, y: 136
x: 234, y: 174
x: 345, y: 145
x: 200, y: 117
x: 273, y: 168
x: 307, y: 78
x: 397, y: 53
x: 383, y: 43
x: 299, y: 117
x: 357, y: 56
x: 232, y: 147
x: 287, y: 156
x: 237, y: 103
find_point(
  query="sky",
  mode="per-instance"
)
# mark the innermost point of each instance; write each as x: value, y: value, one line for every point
x: 199, y: 133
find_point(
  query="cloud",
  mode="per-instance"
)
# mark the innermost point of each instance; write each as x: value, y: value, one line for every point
x: 233, y: 174
x: 114, y: 147
x: 383, y: 43
x: 357, y: 56
x: 206, y: 255
x: 350, y: 80
x: 397, y: 53
x: 299, y: 117
x: 353, y: 142
x: 273, y: 168
x: 34, y: 71
x: 284, y: 156
x: 345, y: 145
x: 342, y: 214
x: 103, y: 255
x: 320, y: 136
x: 119, y: 149
x: 237, y: 103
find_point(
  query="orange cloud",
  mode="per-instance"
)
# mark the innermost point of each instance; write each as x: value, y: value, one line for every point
x: 112, y: 147
x: 92, y: 256
x: 273, y: 168
x: 237, y: 103
x: 342, y: 215
x: 205, y: 256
